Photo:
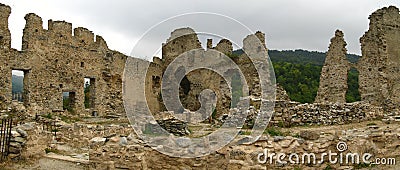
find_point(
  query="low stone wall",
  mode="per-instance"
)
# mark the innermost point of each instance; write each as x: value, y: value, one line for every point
x: 17, y: 143
x: 289, y: 114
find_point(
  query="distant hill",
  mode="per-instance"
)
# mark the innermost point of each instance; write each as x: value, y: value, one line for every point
x: 298, y: 71
x: 300, y: 56
x: 17, y: 84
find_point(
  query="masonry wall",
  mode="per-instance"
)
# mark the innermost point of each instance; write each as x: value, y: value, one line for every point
x: 379, y: 65
x: 333, y: 80
x: 57, y: 60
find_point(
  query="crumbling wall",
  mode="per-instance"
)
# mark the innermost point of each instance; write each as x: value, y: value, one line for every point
x: 185, y: 39
x: 6, y: 54
x: 290, y: 114
x: 224, y: 46
x: 5, y: 35
x: 58, y: 60
x: 246, y: 65
x: 379, y: 65
x: 153, y: 86
x: 333, y: 80
x: 180, y: 42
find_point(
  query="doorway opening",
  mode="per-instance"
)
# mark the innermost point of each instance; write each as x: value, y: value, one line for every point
x: 69, y: 101
x: 19, y: 83
x: 89, y: 91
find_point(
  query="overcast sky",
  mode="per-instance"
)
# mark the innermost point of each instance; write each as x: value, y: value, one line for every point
x: 288, y: 24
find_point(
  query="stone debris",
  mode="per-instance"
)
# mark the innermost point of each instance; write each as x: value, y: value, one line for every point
x: 242, y: 155
x: 17, y: 143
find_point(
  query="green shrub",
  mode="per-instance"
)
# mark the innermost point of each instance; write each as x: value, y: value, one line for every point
x: 273, y: 131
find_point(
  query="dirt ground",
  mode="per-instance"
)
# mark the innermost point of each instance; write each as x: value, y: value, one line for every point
x: 59, y: 162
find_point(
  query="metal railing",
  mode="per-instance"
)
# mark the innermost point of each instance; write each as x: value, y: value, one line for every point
x: 5, y: 137
x: 17, y: 96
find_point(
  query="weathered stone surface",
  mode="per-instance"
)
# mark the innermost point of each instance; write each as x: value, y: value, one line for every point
x: 22, y: 132
x: 98, y: 140
x: 379, y: 81
x: 333, y: 80
x: 281, y: 93
x: 309, y: 135
x: 123, y: 141
x: 55, y: 61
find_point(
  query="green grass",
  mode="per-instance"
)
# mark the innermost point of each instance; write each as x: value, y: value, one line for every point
x: 48, y: 150
x: 48, y: 116
x: 328, y: 167
x: 362, y: 165
x: 296, y: 168
x: 245, y: 132
x: 274, y: 131
x: 296, y: 135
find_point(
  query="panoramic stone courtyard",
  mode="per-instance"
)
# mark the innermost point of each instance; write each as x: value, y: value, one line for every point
x: 97, y: 135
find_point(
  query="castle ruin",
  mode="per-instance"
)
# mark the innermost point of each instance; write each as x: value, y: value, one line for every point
x: 378, y: 66
x: 333, y: 80
x: 57, y: 60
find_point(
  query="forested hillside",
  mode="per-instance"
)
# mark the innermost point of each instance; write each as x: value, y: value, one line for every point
x: 17, y: 84
x: 298, y: 72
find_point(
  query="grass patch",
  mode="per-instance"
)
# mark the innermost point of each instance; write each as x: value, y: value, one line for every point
x: 328, y: 167
x: 297, y: 168
x: 362, y: 165
x: 297, y: 135
x: 48, y: 150
x: 245, y: 132
x: 281, y: 124
x: 48, y: 116
x: 274, y: 132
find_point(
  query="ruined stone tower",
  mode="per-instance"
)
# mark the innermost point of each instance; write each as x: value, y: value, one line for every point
x: 56, y: 61
x: 333, y: 80
x: 379, y: 77
x: 5, y: 36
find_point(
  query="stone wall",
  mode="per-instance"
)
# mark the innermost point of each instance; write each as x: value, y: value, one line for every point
x: 17, y: 143
x: 333, y: 80
x: 290, y: 114
x: 184, y: 40
x: 378, y: 67
x: 57, y: 60
x: 379, y: 80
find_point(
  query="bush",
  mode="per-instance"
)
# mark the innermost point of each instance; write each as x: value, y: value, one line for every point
x: 273, y: 132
